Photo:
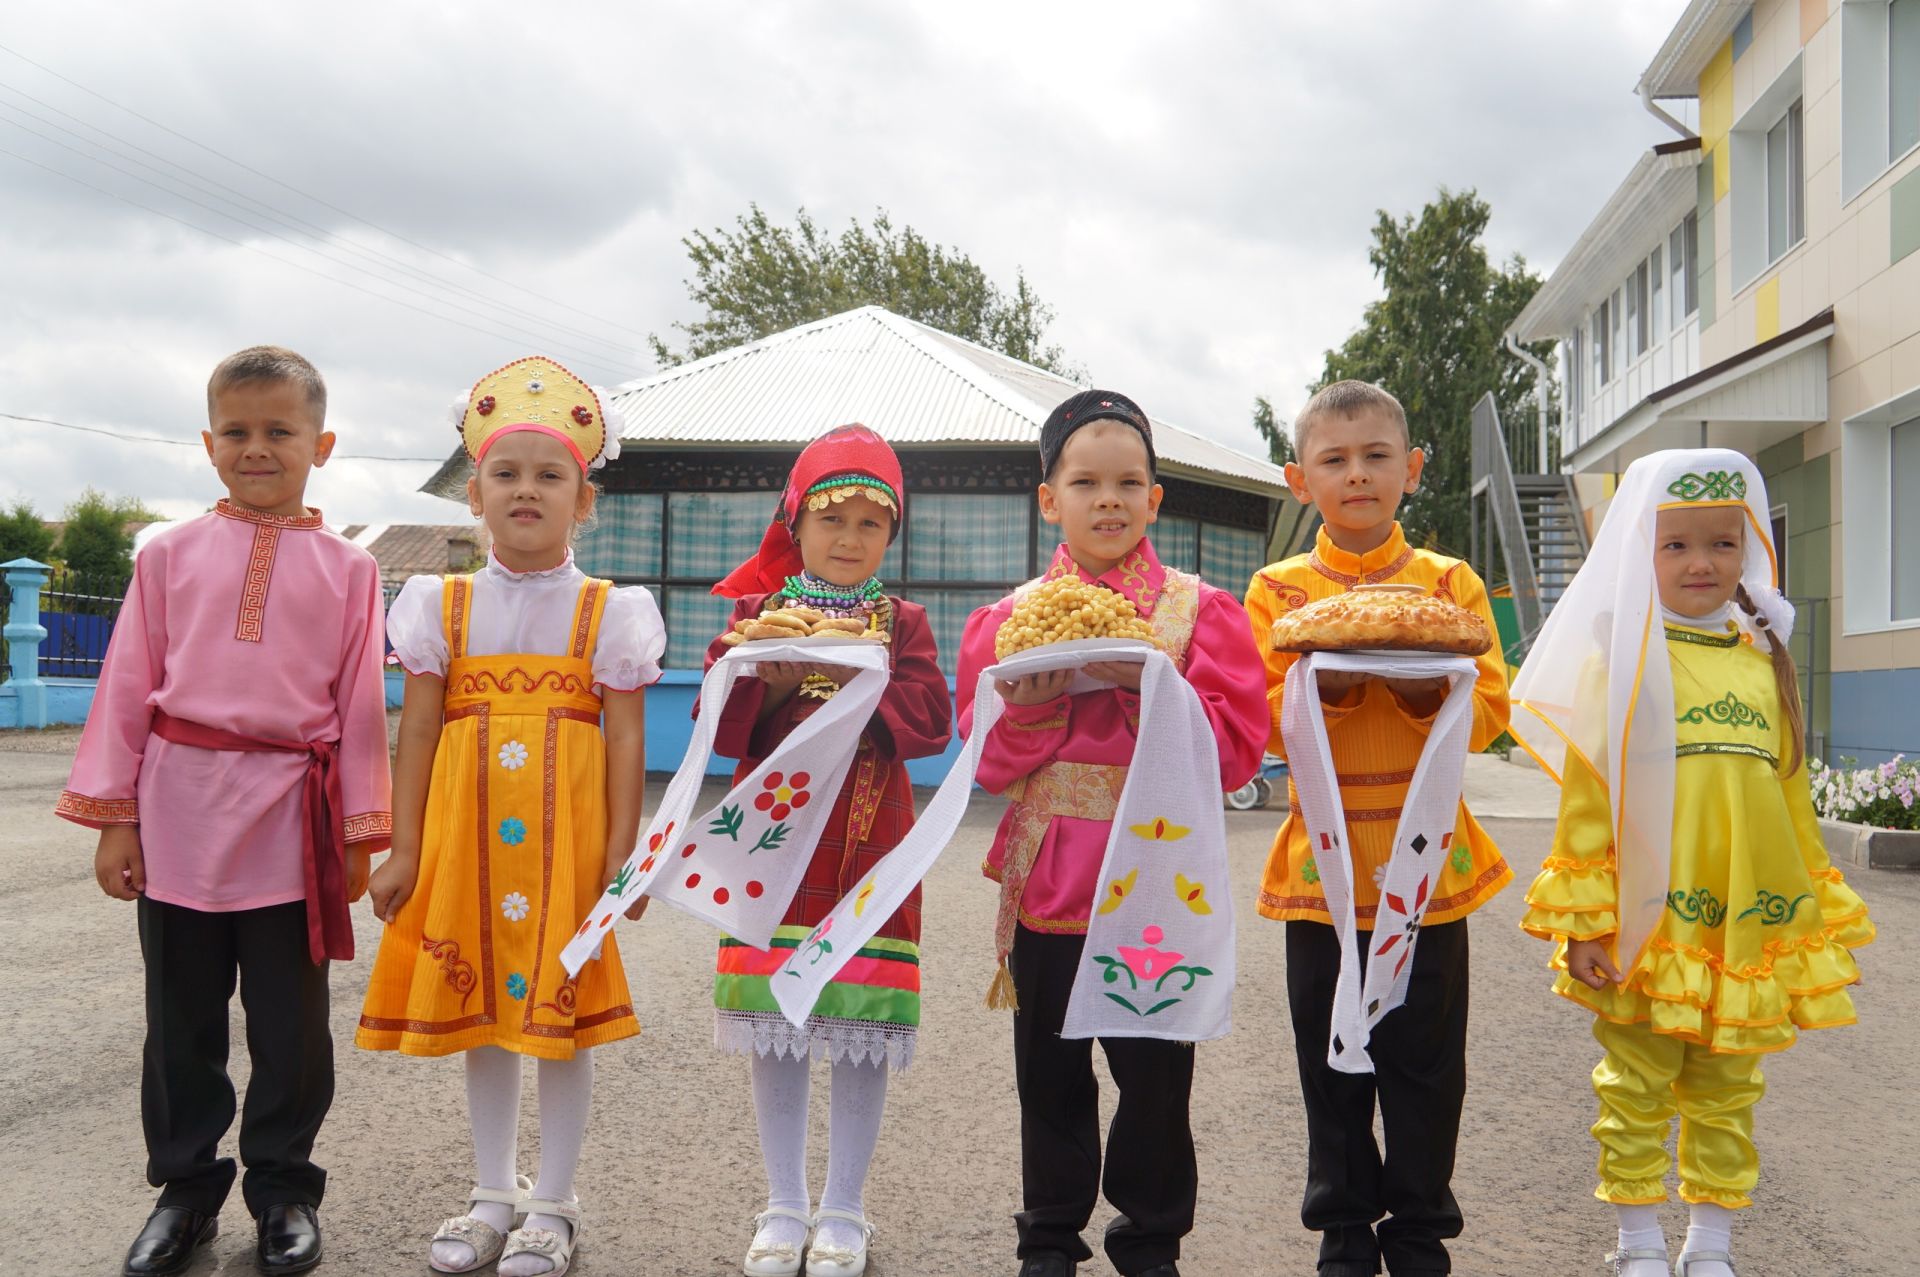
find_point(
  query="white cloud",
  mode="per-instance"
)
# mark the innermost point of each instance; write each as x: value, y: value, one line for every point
x: 1191, y: 187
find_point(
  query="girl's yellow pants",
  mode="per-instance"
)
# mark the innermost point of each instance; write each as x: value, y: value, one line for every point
x: 1646, y: 1078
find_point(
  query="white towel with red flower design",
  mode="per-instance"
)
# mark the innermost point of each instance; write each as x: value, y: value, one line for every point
x: 1421, y: 842
x: 738, y: 864
x: 1159, y: 958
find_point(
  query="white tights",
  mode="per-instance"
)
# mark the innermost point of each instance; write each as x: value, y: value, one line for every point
x: 493, y: 1110
x: 780, y: 1095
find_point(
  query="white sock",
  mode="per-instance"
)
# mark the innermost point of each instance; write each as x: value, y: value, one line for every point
x: 1709, y: 1227
x: 493, y: 1111
x: 566, y: 1102
x: 780, y: 1092
x: 1640, y: 1230
x: 859, y: 1102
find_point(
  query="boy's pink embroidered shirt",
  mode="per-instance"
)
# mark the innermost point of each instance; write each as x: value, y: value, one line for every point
x: 265, y: 625
x: 1101, y: 727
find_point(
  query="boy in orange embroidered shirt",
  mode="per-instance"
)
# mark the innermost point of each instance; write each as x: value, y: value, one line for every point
x: 235, y: 764
x: 1354, y: 463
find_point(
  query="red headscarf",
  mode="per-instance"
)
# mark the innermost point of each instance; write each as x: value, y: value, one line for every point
x: 854, y: 456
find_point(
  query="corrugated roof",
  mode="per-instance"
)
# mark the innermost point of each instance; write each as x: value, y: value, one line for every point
x: 915, y: 385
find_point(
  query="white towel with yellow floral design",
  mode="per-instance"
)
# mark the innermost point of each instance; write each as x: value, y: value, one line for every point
x: 1420, y: 844
x: 1159, y: 956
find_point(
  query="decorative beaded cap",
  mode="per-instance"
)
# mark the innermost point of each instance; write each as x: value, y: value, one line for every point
x: 537, y: 393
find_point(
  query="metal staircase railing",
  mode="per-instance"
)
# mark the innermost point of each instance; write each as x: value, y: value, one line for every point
x: 1493, y: 481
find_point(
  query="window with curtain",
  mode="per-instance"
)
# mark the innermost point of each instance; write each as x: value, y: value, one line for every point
x: 1230, y: 556
x: 624, y: 539
x: 694, y: 618
x: 971, y: 536
x: 947, y: 613
x: 713, y: 532
x: 1786, y: 215
x: 1906, y: 521
x: 1176, y: 539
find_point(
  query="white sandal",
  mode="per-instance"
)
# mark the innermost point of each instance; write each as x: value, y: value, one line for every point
x: 1617, y: 1260
x: 838, y: 1261
x: 555, y: 1249
x: 775, y: 1259
x: 482, y: 1238
x: 1688, y: 1258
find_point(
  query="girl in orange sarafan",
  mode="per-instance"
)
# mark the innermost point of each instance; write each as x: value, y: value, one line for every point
x: 1688, y: 891
x: 521, y: 766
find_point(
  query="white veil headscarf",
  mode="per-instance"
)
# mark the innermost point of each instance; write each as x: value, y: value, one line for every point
x: 1597, y: 682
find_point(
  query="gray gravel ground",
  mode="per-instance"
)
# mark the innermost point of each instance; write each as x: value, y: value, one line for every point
x: 671, y: 1174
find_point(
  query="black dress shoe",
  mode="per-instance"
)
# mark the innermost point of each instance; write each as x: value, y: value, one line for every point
x: 1047, y: 1263
x: 289, y: 1238
x: 166, y: 1245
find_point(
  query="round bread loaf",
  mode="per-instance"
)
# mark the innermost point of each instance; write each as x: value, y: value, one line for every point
x: 1395, y: 618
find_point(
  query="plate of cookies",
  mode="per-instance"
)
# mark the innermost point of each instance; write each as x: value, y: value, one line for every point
x: 793, y: 624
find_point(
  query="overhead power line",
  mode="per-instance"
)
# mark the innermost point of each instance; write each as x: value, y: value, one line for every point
x: 190, y: 443
x: 214, y: 187
x: 395, y: 235
x: 521, y: 334
x: 255, y: 248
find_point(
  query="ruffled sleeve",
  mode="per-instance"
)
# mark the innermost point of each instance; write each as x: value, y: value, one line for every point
x: 1842, y: 910
x: 416, y: 629
x: 632, y: 640
x: 1577, y: 890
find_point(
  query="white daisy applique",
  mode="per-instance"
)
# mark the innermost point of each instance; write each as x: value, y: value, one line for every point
x: 514, y: 906
x: 1380, y: 875
x: 513, y: 755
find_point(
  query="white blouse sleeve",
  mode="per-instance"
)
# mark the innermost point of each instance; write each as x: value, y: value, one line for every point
x: 415, y: 627
x: 632, y: 640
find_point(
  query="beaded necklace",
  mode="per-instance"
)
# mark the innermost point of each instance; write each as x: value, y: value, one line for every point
x: 808, y: 590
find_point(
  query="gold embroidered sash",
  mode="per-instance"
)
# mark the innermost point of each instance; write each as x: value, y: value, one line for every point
x: 1085, y: 791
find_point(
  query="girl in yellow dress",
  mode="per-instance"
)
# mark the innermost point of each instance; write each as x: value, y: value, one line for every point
x: 514, y: 808
x: 1694, y: 908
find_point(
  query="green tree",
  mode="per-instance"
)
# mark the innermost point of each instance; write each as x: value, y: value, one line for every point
x: 96, y: 545
x: 1277, y: 433
x: 1434, y: 341
x: 762, y: 278
x: 23, y: 535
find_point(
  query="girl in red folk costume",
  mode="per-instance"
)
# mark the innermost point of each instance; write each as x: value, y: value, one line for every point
x: 841, y: 509
x: 514, y: 807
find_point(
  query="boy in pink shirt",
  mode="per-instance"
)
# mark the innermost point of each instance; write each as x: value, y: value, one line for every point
x: 1064, y: 759
x: 235, y: 764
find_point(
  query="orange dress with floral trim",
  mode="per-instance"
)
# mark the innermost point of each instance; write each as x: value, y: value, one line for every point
x: 512, y: 852
x: 1376, y: 739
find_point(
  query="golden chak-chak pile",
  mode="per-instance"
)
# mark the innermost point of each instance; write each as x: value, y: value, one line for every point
x: 1067, y: 608
x: 796, y: 622
x: 1393, y: 618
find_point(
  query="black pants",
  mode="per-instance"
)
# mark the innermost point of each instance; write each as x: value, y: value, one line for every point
x: 186, y: 1097
x: 1420, y: 1080
x: 1151, y: 1177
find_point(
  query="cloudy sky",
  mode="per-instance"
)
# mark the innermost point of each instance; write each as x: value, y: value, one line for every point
x: 412, y: 194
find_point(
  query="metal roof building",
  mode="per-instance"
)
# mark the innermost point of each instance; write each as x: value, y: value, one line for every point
x: 707, y: 446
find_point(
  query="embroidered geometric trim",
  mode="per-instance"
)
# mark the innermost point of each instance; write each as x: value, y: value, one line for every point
x: 1704, y: 640
x: 822, y: 1038
x: 1714, y: 485
x: 1725, y: 747
x: 253, y: 591
x: 299, y: 522
x: 1372, y: 578
x: 97, y: 811
x: 1377, y: 813
x: 369, y: 824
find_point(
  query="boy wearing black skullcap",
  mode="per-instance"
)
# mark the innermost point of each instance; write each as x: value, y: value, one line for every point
x: 1064, y: 759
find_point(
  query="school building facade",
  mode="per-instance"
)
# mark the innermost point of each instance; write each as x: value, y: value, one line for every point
x: 707, y: 447
x: 1754, y: 284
